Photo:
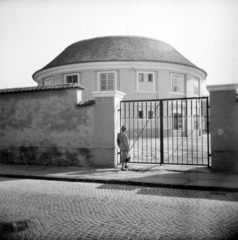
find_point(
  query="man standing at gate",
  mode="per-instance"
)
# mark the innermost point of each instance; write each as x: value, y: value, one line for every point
x: 123, y: 144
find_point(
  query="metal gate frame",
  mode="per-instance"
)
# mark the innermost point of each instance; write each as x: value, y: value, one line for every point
x: 127, y: 111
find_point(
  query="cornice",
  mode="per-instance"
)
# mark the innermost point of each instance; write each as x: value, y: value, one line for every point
x: 117, y: 65
x: 116, y: 94
x: 222, y: 87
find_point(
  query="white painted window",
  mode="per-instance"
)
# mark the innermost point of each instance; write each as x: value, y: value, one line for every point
x: 48, y: 81
x: 107, y: 81
x: 145, y: 81
x: 196, y: 122
x: 71, y: 78
x: 177, y: 121
x: 177, y: 83
x: 141, y: 114
x: 196, y: 86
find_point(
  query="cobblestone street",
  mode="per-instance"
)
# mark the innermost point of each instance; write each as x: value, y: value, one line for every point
x: 37, y: 209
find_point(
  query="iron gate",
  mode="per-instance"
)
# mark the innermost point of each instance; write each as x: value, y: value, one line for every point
x: 167, y: 131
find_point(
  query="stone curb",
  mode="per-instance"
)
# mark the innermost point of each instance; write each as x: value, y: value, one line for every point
x: 123, y: 182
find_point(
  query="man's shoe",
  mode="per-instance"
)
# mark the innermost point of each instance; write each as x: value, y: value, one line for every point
x: 123, y: 169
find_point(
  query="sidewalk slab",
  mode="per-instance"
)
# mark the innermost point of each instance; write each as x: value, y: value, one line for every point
x: 153, y: 176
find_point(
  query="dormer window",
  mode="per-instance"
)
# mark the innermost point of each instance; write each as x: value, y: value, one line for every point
x: 72, y: 78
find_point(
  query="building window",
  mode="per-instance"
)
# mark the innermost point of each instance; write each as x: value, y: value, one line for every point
x: 196, y: 86
x: 150, y: 77
x: 150, y: 114
x: 145, y: 81
x: 141, y: 77
x: 177, y: 121
x: 107, y: 81
x: 48, y: 81
x: 196, y: 122
x: 177, y: 83
x: 72, y: 78
x: 140, y: 114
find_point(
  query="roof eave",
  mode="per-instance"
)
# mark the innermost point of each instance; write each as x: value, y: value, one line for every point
x: 193, y: 66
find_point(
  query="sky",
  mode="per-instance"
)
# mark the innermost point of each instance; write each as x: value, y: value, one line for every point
x: 34, y: 32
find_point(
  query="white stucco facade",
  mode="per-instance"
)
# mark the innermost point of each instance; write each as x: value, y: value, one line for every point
x: 126, y: 78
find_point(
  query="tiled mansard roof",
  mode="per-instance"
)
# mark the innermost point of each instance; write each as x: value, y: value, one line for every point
x: 119, y: 48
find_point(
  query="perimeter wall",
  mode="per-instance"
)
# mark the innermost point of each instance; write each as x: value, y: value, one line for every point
x: 51, y: 128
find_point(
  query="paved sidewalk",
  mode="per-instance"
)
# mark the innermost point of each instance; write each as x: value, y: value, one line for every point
x: 172, y: 176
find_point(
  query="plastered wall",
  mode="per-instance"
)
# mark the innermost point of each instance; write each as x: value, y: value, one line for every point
x: 224, y: 128
x: 45, y: 127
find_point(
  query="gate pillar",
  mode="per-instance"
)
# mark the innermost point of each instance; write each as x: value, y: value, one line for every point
x: 106, y: 127
x: 224, y: 127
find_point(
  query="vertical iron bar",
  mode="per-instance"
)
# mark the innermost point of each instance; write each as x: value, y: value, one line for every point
x: 142, y: 124
x: 208, y: 133
x: 168, y: 130
x: 133, y: 115
x: 197, y: 129
x: 202, y: 120
x: 151, y: 112
x: 125, y: 114
x: 182, y: 133
x: 155, y: 134
x: 172, y: 117
x: 187, y: 134
x: 146, y: 142
x: 161, y: 134
x: 121, y: 103
x: 138, y: 144
x: 192, y: 128
x: 177, y: 128
x: 129, y: 119
x: 120, y: 112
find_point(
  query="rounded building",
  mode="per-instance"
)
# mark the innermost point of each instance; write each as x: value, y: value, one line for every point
x: 140, y: 67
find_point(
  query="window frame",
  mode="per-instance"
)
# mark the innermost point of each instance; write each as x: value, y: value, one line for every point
x: 141, y: 77
x: 99, y: 80
x: 138, y: 74
x: 177, y: 120
x: 198, y: 87
x: 197, y: 122
x: 183, y: 84
x: 47, y: 79
x: 71, y: 74
x: 150, y: 74
x: 143, y: 115
x: 150, y: 116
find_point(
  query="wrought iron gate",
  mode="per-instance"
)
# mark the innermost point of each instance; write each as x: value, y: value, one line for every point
x: 168, y: 131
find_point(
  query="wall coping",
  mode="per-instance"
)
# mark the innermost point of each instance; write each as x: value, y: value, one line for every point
x: 42, y: 88
x: 222, y: 87
x: 116, y: 94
